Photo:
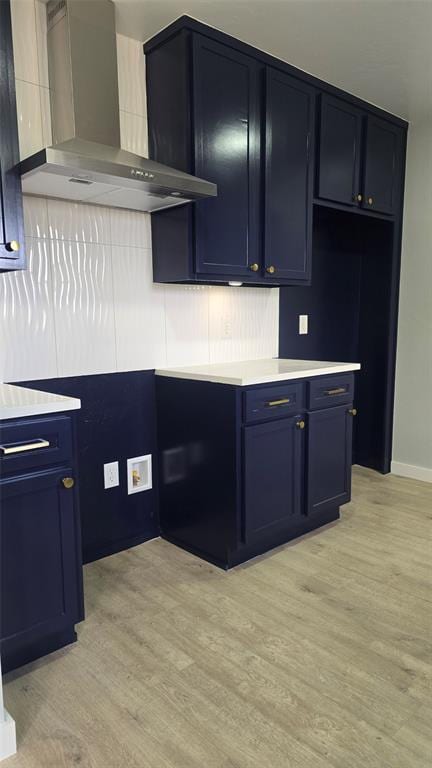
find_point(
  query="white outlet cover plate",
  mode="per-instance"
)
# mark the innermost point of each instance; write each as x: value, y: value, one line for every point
x: 111, y: 475
x: 303, y: 324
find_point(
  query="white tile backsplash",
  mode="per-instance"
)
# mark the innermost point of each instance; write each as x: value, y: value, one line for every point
x: 87, y: 304
x: 27, y: 348
x: 139, y: 311
x: 24, y: 41
x: 83, y: 307
x: 29, y: 118
x: 84, y: 223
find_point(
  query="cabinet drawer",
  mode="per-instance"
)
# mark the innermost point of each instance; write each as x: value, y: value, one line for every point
x: 272, y: 402
x: 328, y: 391
x: 30, y: 444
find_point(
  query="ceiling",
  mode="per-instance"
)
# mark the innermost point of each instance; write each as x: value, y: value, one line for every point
x: 380, y: 50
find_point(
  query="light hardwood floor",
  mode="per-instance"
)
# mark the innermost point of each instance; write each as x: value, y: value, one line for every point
x: 318, y: 654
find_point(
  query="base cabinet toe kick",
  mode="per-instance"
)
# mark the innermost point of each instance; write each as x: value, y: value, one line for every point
x: 245, y: 469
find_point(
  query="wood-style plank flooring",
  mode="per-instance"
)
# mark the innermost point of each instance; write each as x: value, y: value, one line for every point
x: 318, y: 654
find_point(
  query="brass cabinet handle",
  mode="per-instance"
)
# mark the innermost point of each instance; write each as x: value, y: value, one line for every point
x: 300, y: 424
x: 68, y: 482
x: 337, y: 391
x: 370, y: 200
x: 22, y: 447
x: 254, y: 267
x: 358, y: 198
x: 352, y: 411
x: 13, y: 245
x: 282, y: 401
x: 271, y: 269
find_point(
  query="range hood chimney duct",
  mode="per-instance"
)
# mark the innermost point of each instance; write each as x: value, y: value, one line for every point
x: 85, y: 162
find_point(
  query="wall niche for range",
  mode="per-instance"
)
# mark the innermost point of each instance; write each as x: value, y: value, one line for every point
x: 352, y: 308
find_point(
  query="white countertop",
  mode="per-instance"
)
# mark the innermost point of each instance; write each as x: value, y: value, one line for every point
x: 20, y: 401
x: 248, y: 372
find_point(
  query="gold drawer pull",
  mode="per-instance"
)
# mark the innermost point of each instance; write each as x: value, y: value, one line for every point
x: 39, y: 443
x: 283, y: 401
x: 300, y: 424
x: 337, y: 391
x: 68, y: 482
x: 352, y: 411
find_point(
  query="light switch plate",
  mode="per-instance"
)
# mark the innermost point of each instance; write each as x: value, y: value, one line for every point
x: 111, y: 474
x: 303, y: 324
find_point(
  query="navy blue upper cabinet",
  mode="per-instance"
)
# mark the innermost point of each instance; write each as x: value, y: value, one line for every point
x: 338, y: 173
x: 11, y: 213
x: 329, y: 457
x: 360, y: 157
x: 383, y: 148
x: 289, y: 130
x: 273, y: 476
x: 227, y: 151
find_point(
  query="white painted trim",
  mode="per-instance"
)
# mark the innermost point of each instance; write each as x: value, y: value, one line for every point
x: 410, y: 470
x: 7, y: 736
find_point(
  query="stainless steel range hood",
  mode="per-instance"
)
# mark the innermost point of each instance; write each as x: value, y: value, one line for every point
x: 85, y: 162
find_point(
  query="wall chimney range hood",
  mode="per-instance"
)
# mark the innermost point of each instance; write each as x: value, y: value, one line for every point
x: 86, y: 163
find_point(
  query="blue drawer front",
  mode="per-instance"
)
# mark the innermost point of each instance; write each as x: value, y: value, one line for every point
x: 328, y: 391
x: 273, y: 402
x: 31, y: 444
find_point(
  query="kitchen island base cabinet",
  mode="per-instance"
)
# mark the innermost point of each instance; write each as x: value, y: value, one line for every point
x: 246, y: 469
x: 41, y: 580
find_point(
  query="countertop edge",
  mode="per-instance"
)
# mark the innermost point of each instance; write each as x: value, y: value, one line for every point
x: 251, y: 380
x: 23, y: 410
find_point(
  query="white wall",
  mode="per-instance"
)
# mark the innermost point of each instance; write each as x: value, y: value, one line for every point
x: 412, y: 447
x: 87, y: 303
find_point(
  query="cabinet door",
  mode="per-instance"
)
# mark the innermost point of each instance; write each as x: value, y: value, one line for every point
x: 272, y: 463
x: 339, y: 151
x: 382, y: 165
x: 11, y: 214
x: 288, y: 177
x: 40, y: 577
x: 227, y: 152
x: 329, y: 459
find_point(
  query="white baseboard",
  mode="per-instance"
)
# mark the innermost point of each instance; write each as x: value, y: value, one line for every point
x: 410, y: 470
x: 7, y: 736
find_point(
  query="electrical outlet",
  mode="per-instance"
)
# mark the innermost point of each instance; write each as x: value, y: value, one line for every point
x: 227, y: 327
x: 111, y: 474
x: 303, y: 324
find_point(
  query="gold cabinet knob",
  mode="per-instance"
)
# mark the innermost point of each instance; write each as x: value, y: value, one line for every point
x: 353, y: 411
x: 370, y: 200
x: 358, y: 198
x: 271, y: 269
x: 300, y: 424
x: 68, y: 482
x: 254, y: 267
x: 13, y: 245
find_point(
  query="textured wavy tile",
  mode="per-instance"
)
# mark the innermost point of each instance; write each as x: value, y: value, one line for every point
x: 130, y: 228
x: 79, y: 222
x: 35, y: 216
x: 83, y: 307
x: 27, y: 349
x: 139, y: 311
x: 131, y: 75
x: 41, y: 42
x: 24, y: 40
x: 29, y: 118
x: 186, y: 312
x: 133, y: 133
x: 243, y: 323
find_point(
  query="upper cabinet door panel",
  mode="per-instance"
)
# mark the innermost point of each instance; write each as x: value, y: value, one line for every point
x: 339, y: 151
x: 227, y: 150
x: 11, y: 213
x: 382, y: 161
x: 290, y: 106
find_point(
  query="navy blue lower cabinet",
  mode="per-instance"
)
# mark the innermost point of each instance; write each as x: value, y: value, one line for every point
x: 245, y: 469
x: 329, y: 458
x: 41, y: 575
x: 273, y: 475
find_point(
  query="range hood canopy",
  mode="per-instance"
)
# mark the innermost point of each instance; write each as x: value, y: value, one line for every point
x: 85, y: 163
